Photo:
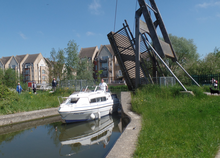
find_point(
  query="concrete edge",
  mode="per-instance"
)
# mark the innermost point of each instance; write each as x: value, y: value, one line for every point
x: 126, y: 144
x: 27, y: 116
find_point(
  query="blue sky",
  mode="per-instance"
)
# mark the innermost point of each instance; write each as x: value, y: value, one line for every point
x: 37, y: 26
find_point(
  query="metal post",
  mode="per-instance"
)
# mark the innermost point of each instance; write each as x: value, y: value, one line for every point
x: 187, y: 74
x: 137, y: 47
x: 166, y: 66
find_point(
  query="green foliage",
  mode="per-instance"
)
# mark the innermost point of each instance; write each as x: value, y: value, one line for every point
x: 98, y: 76
x: 63, y: 92
x: 66, y: 64
x: 7, y: 97
x: 24, y: 86
x: 176, y: 124
x: 208, y: 65
x: 185, y: 50
x: 58, y: 60
x: 72, y: 59
x: 10, y: 78
x: 118, y: 88
x: 85, y: 69
x: 206, y: 88
x: 12, y: 102
x: 1, y: 76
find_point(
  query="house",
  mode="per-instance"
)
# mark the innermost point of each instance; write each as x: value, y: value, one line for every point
x: 9, y: 62
x: 108, y: 63
x: 103, y: 59
x: 35, y: 68
x: 21, y: 59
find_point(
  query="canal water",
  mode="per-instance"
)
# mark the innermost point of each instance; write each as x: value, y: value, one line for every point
x: 50, y: 137
x: 57, y: 139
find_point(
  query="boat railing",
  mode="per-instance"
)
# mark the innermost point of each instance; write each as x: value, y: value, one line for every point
x: 61, y: 99
x: 95, y: 88
x: 84, y: 89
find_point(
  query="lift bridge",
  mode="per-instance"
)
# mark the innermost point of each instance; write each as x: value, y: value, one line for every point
x: 141, y: 57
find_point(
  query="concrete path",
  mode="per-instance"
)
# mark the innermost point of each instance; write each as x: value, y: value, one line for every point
x: 27, y: 116
x: 126, y: 144
x: 208, y: 93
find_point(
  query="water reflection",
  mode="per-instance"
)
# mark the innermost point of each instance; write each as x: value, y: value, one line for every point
x: 87, y: 133
x: 45, y: 139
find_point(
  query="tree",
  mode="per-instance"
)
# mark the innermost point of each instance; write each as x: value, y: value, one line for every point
x: 85, y: 69
x: 1, y: 76
x: 10, y: 78
x: 98, y: 75
x: 187, y: 56
x: 186, y: 51
x: 72, y: 59
x: 57, y: 60
x: 67, y: 61
x: 211, y: 63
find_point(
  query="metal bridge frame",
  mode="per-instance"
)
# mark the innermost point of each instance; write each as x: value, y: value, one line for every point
x: 158, y: 49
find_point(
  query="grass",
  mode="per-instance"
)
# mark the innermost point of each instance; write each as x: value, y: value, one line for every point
x: 118, y: 88
x: 27, y: 101
x: 175, y: 124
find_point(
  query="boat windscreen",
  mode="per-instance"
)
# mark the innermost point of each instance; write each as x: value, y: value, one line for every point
x: 74, y: 100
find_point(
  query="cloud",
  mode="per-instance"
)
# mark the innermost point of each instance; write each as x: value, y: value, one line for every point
x: 210, y: 4
x: 95, y: 7
x: 90, y: 33
x: 22, y: 35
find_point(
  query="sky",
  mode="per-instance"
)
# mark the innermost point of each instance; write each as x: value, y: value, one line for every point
x: 37, y: 26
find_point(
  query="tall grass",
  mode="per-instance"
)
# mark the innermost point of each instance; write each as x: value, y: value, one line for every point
x: 27, y: 101
x: 176, y: 124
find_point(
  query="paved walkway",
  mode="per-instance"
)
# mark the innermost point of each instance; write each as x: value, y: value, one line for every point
x: 126, y: 144
x: 27, y: 116
x: 208, y: 93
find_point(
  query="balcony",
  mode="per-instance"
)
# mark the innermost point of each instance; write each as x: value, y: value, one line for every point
x: 104, y: 75
x: 103, y: 60
x: 104, y: 68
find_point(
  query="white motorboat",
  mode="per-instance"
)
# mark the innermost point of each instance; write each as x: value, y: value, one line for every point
x: 86, y: 105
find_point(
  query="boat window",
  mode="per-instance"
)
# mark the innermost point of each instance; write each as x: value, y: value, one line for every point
x: 93, y: 100
x: 99, y: 99
x: 103, y: 98
x: 74, y: 100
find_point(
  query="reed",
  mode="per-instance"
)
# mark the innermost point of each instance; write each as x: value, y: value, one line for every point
x: 175, y: 124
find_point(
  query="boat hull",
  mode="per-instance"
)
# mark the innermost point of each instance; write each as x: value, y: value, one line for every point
x: 85, y: 115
